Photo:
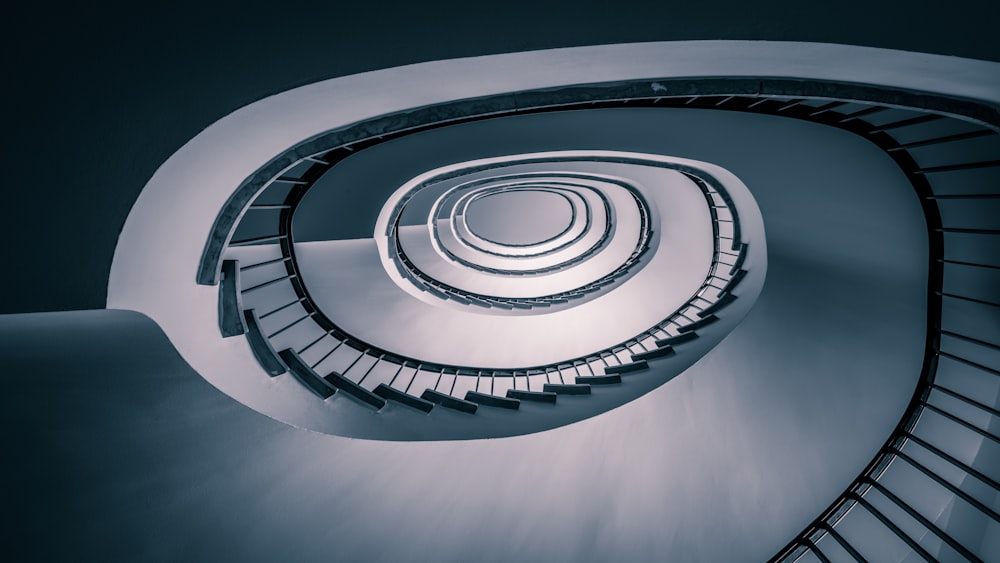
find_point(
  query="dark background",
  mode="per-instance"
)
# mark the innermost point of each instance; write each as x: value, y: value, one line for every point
x: 96, y: 97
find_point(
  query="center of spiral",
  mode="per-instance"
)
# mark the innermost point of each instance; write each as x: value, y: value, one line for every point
x: 519, y: 217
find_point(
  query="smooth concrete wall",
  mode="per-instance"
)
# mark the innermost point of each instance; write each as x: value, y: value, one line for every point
x: 118, y: 451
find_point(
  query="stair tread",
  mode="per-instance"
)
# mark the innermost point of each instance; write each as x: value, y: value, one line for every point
x: 261, y: 346
x: 678, y: 339
x: 610, y: 379
x: 230, y: 300
x: 724, y: 299
x: 492, y: 400
x: 567, y: 388
x: 448, y: 401
x: 305, y: 374
x: 354, y: 390
x: 661, y: 352
x: 734, y: 281
x: 739, y: 260
x: 627, y: 368
x: 698, y: 324
x: 538, y: 396
x: 398, y: 396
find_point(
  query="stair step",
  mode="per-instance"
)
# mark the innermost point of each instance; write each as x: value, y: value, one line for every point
x: 261, y: 346
x: 627, y: 368
x: 492, y: 400
x: 739, y: 260
x: 698, y: 324
x: 566, y: 389
x: 398, y: 396
x: 448, y: 401
x: 679, y: 339
x: 733, y: 281
x: 354, y: 390
x: 599, y: 379
x: 434, y: 291
x: 726, y: 299
x: 305, y: 374
x: 230, y: 300
x: 661, y: 352
x: 478, y: 302
x: 538, y: 396
x: 459, y: 298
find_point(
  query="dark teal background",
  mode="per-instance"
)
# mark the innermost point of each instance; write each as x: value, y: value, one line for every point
x: 97, y: 96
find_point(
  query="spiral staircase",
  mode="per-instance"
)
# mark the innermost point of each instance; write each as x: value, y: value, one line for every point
x: 930, y: 492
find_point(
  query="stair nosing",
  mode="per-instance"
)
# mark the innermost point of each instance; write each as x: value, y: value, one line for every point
x: 449, y: 402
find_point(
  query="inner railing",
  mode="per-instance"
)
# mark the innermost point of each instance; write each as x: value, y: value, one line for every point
x: 267, y: 299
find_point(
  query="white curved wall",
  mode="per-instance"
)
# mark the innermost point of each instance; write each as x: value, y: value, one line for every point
x: 747, y: 445
x: 758, y: 473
